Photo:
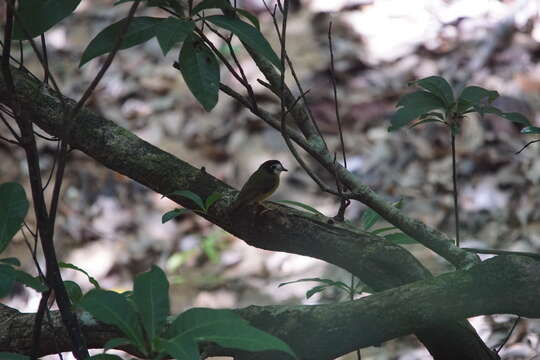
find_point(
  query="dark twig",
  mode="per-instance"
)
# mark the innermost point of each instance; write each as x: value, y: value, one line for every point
x: 454, y: 181
x: 334, y: 87
x: 45, y: 59
x: 509, y: 334
x: 527, y: 144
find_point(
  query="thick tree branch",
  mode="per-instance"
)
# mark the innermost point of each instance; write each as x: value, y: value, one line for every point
x: 376, y: 261
x: 328, y: 331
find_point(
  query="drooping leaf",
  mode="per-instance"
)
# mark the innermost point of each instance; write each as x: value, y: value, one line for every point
x: 141, y: 29
x: 151, y: 295
x: 11, y: 261
x: 7, y: 279
x: 249, y: 34
x: 30, y: 281
x: 475, y: 95
x: 302, y: 206
x: 369, y: 218
x: 413, y: 105
x: 74, y: 291
x: 439, y: 87
x: 104, y: 357
x: 115, y: 342
x: 112, y: 308
x: 210, y: 200
x: 226, y: 329
x: 92, y: 280
x: 315, y: 290
x: 200, y: 70
x: 172, y: 31
x: 211, y: 4
x: 400, y: 238
x: 327, y: 282
x: 530, y: 130
x: 13, y: 209
x: 13, y: 356
x: 38, y: 16
x: 191, y: 196
x: 516, y: 117
x: 169, y: 215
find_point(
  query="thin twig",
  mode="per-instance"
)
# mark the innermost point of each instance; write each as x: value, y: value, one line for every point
x: 45, y: 59
x: 508, y: 335
x: 454, y: 181
x: 10, y: 128
x: 334, y: 87
x: 529, y: 143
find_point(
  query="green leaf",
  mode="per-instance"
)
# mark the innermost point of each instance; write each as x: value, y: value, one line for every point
x: 141, y: 29
x: 151, y: 295
x: 327, y: 282
x: 11, y: 261
x: 400, y: 238
x: 315, y: 290
x: 13, y: 209
x: 252, y: 18
x: 412, y: 106
x: 7, y: 278
x: 369, y: 218
x: 473, y: 96
x: 169, y: 215
x: 301, y: 205
x: 211, y: 4
x: 104, y: 357
x: 191, y: 196
x: 112, y: 308
x: 530, y: 130
x: 428, y: 120
x: 92, y: 280
x: 172, y: 31
x: 13, y: 356
x: 30, y: 281
x: 114, y: 343
x: 38, y: 16
x: 200, y: 70
x: 385, y: 229
x: 516, y: 117
x: 247, y: 34
x: 181, y: 347
x: 74, y: 291
x: 439, y: 87
x: 215, y: 196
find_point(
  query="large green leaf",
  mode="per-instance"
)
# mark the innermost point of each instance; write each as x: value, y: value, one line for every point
x: 475, y: 95
x: 249, y: 34
x: 13, y: 209
x: 439, y: 87
x: 13, y: 356
x: 30, y: 281
x: 412, y: 106
x: 151, y: 295
x: 112, y: 308
x: 200, y: 70
x: 141, y: 29
x: 7, y: 278
x: 172, y: 31
x: 38, y: 16
x: 226, y: 329
x: 181, y: 347
x: 211, y: 4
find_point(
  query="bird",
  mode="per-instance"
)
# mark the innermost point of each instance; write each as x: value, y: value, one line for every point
x: 260, y: 185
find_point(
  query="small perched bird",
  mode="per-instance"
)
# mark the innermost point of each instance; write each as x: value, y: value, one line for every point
x: 260, y: 185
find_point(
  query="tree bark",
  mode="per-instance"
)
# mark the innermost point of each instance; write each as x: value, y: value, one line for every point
x: 377, y: 262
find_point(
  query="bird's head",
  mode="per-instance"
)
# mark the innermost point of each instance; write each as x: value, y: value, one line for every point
x: 273, y: 167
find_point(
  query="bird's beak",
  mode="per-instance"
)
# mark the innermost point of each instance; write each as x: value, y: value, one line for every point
x: 283, y: 169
